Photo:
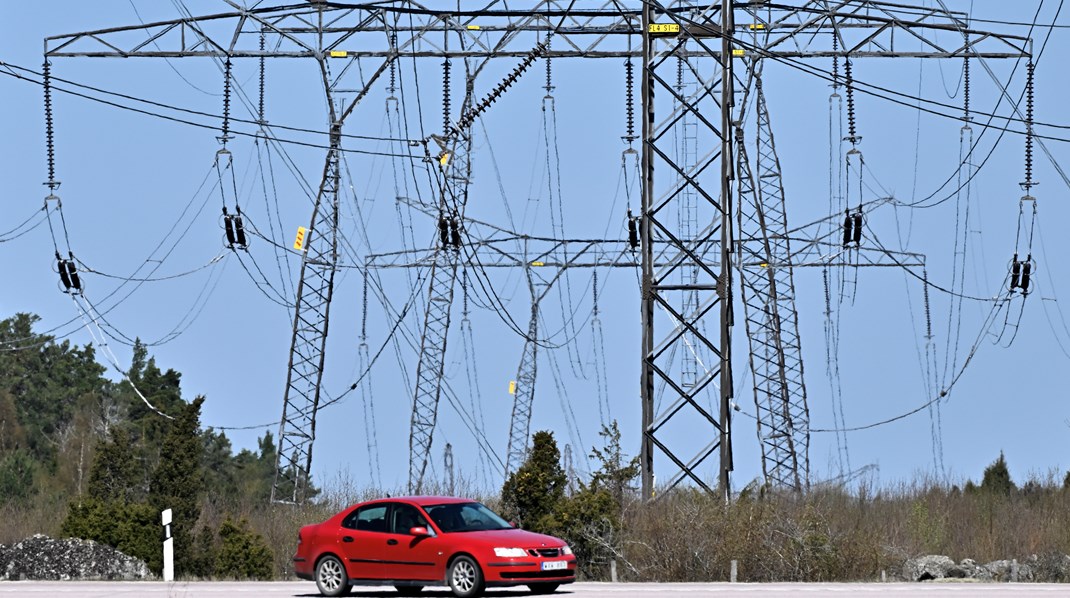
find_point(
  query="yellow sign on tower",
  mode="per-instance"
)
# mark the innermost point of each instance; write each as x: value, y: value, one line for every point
x: 299, y: 242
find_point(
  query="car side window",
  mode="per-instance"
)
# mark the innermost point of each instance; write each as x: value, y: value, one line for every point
x: 405, y: 517
x: 370, y: 518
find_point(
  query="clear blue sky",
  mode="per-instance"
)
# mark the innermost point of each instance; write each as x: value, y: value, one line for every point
x: 131, y: 181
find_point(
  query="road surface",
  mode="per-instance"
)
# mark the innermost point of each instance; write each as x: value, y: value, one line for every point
x: 106, y: 589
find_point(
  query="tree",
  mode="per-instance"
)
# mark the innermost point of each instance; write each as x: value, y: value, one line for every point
x: 613, y: 474
x: 997, y: 478
x: 16, y: 476
x: 533, y: 492
x: 115, y: 475
x: 178, y: 480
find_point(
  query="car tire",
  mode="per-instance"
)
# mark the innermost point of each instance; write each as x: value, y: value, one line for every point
x: 409, y: 590
x: 331, y: 577
x: 465, y: 577
x: 543, y: 588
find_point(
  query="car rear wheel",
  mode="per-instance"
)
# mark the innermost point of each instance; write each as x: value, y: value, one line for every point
x: 465, y: 577
x: 331, y: 578
x: 409, y: 590
x: 543, y: 588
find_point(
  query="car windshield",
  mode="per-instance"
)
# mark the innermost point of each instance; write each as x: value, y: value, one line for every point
x: 465, y: 517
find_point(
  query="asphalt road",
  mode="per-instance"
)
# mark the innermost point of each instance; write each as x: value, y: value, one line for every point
x: 104, y: 589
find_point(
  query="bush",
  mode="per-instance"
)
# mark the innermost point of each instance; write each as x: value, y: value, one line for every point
x: 132, y: 528
x: 244, y: 554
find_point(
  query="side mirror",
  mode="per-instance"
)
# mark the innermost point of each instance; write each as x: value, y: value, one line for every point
x: 419, y: 532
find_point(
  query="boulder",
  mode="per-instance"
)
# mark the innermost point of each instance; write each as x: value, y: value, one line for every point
x: 1049, y: 567
x: 1002, y: 570
x: 44, y: 558
x: 923, y: 568
x: 975, y: 571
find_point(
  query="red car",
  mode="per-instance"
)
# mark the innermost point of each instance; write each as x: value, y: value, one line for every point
x: 419, y: 541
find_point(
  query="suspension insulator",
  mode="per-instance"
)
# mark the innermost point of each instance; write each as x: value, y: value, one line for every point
x: 633, y: 232
x: 1016, y: 273
x: 444, y: 231
x: 847, y: 226
x: 1027, y: 269
x: 455, y: 232
x: 72, y: 272
x: 239, y: 230
x: 63, y: 276
x: 228, y: 226
x: 857, y: 238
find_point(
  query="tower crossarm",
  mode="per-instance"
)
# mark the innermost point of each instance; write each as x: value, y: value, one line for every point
x: 337, y: 30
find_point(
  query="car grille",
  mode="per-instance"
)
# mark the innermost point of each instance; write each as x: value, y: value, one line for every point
x: 544, y: 552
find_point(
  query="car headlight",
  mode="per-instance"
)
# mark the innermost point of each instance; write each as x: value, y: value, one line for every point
x: 510, y: 552
x: 566, y: 550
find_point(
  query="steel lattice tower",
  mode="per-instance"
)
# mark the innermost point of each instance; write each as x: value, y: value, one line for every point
x: 705, y: 36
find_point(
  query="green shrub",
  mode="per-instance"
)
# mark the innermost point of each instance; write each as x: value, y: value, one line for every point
x: 243, y: 554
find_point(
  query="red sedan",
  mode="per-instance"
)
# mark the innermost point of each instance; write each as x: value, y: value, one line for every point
x: 419, y: 541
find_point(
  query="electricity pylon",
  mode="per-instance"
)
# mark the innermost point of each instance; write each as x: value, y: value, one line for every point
x: 327, y: 32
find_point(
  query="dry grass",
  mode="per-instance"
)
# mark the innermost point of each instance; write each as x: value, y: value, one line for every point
x: 826, y: 535
x: 831, y: 535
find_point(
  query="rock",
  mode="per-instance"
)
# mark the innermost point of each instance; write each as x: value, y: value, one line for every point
x: 41, y: 557
x: 1002, y: 570
x: 1050, y: 567
x: 957, y: 573
x: 975, y: 571
x: 923, y: 568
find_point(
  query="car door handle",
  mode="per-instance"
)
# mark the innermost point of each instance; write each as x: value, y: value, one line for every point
x: 347, y: 538
x: 391, y: 542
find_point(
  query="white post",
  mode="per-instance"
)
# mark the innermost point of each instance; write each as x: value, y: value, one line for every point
x: 1014, y: 570
x: 735, y: 571
x: 613, y: 571
x: 168, y: 547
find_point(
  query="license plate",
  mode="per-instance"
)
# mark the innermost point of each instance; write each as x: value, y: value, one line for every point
x: 553, y: 565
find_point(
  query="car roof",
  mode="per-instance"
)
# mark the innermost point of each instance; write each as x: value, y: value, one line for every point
x: 425, y: 501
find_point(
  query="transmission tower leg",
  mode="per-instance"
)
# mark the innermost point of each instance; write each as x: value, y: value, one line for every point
x: 429, y: 371
x: 770, y: 314
x: 661, y: 287
x: 297, y: 430
x: 523, y: 397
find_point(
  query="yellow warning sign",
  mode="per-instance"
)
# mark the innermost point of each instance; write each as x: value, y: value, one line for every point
x: 737, y: 52
x: 664, y: 28
x: 512, y: 387
x: 538, y: 264
x: 339, y: 53
x: 473, y: 27
x: 299, y: 242
x: 757, y: 26
x: 444, y: 159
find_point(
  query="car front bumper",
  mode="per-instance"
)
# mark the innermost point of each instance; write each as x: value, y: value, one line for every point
x: 520, y: 572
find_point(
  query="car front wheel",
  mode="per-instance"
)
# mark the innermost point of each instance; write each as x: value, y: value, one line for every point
x: 465, y: 577
x: 331, y: 578
x: 543, y: 588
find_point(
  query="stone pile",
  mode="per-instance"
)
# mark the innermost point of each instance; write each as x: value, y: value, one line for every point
x: 1045, y: 568
x: 41, y: 557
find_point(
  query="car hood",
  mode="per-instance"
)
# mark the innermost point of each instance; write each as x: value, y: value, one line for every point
x: 512, y: 538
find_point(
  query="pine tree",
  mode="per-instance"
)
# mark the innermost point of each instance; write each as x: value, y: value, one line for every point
x: 178, y: 481
x: 534, y: 491
x: 997, y: 478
